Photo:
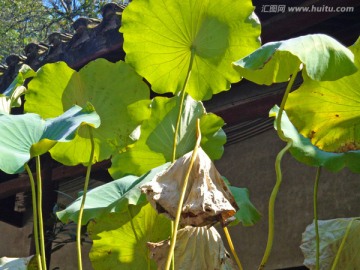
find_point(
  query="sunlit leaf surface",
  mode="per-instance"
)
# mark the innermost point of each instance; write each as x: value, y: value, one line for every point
x: 324, y: 59
x: 10, y: 98
x: 27, y: 135
x: 161, y: 36
x: 114, y: 196
x: 328, y: 113
x: 25, y: 72
x: 110, y: 87
x: 304, y: 151
x: 155, y: 145
x: 120, y: 239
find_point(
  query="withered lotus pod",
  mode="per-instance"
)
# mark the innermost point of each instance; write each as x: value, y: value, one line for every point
x: 196, y: 248
x: 207, y: 198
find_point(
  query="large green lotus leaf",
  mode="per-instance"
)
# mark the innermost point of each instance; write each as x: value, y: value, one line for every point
x: 27, y: 135
x: 161, y: 36
x: 155, y: 145
x: 120, y: 239
x: 304, y: 151
x: 114, y: 196
x: 332, y: 233
x: 324, y: 59
x: 110, y: 87
x: 247, y: 214
x: 328, y: 112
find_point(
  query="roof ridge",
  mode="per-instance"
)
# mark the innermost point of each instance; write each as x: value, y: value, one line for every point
x: 92, y: 38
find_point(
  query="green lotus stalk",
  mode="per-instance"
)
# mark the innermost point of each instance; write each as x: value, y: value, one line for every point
x: 276, y: 188
x: 183, y: 92
x: 282, y: 106
x: 232, y: 249
x: 346, y: 235
x: 35, y: 217
x: 40, y: 214
x: 81, y: 211
x: 317, y: 236
x: 272, y: 205
x: 182, y: 196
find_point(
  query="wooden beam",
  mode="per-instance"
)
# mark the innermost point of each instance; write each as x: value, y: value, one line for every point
x: 245, y: 110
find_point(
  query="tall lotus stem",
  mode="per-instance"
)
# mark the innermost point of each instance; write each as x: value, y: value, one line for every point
x: 278, y: 172
x: 183, y: 92
x: 35, y: 217
x: 177, y: 127
x: 182, y: 196
x: 81, y: 211
x: 40, y: 214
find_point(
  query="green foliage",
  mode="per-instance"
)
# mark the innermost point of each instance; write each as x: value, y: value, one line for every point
x: 304, y: 151
x: 275, y: 62
x: 247, y: 214
x: 173, y: 37
x: 327, y: 112
x: 24, y: 73
x: 120, y: 239
x: 115, y: 196
x: 155, y: 144
x: 11, y: 101
x: 57, y: 87
x: 25, y: 136
x: 339, y: 244
x: 22, y: 21
x: 62, y: 14
x: 25, y: 21
x: 11, y: 96
x: 322, y: 59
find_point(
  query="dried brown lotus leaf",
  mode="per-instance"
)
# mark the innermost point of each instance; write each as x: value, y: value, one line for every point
x: 196, y: 248
x: 207, y: 198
